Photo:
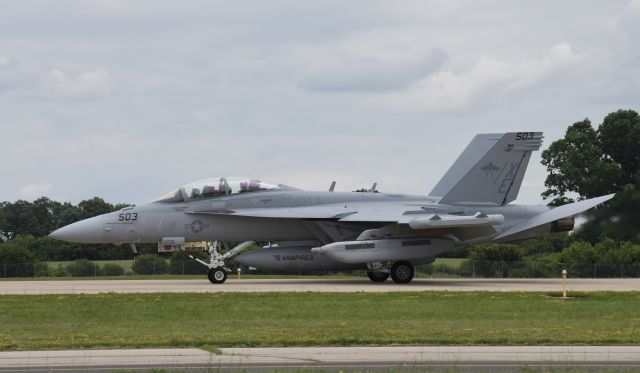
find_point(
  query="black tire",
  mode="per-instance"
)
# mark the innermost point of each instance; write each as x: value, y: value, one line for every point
x: 402, y: 272
x: 378, y: 276
x: 217, y: 275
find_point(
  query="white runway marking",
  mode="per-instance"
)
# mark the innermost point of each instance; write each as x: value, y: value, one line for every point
x: 304, y: 285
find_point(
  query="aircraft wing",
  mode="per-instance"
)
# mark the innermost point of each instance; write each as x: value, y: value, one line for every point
x: 553, y: 215
x: 415, y: 217
x: 306, y: 212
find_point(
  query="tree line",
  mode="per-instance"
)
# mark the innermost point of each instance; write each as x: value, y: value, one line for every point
x: 24, y: 229
x: 587, y: 162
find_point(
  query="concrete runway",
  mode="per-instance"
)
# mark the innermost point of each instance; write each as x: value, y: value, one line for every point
x: 435, y: 358
x: 303, y: 285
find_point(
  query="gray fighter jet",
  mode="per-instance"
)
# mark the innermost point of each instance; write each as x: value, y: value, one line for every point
x: 387, y: 234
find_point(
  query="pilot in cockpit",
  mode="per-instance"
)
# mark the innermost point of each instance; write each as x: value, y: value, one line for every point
x: 223, y: 187
x: 209, y: 191
x: 195, y: 193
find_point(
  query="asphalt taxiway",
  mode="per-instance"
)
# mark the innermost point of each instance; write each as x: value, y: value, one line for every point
x: 306, y: 285
x: 434, y: 358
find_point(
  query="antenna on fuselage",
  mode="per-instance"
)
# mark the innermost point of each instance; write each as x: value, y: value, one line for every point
x: 133, y: 249
x: 333, y: 186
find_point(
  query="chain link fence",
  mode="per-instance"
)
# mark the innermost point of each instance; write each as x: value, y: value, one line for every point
x: 439, y: 269
x: 87, y: 268
x: 502, y: 269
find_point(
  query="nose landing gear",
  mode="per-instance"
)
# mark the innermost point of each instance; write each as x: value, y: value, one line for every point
x: 217, y: 275
x: 217, y: 270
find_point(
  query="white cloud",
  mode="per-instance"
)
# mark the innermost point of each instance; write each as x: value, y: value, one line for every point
x: 28, y: 80
x: 34, y: 190
x: 370, y: 61
x: 160, y: 93
x: 632, y: 9
x: 447, y: 90
x: 10, y: 74
x: 91, y: 83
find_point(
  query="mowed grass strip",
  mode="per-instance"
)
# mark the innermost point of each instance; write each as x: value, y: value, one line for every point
x: 304, y: 319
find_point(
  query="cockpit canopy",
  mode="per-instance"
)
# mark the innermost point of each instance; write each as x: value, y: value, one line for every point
x: 218, y: 187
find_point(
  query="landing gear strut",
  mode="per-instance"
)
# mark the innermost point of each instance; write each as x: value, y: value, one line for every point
x: 402, y: 272
x: 217, y: 270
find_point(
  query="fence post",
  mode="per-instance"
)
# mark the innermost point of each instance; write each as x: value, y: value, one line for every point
x: 4, y: 275
x: 502, y: 263
x: 154, y: 267
x: 473, y: 269
x: 95, y: 269
x: 442, y: 269
x: 34, y: 269
x: 183, y: 267
x: 595, y: 270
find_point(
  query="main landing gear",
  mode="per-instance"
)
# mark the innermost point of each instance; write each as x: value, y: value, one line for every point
x: 378, y: 276
x: 401, y: 273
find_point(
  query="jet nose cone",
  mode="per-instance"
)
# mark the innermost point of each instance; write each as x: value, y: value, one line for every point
x: 85, y: 231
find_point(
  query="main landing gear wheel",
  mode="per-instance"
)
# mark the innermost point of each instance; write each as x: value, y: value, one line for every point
x: 402, y: 272
x: 217, y: 275
x: 378, y: 276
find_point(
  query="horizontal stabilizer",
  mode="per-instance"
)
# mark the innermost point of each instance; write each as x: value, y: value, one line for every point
x: 553, y: 215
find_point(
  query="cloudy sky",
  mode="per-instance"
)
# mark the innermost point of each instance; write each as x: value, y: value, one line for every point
x: 129, y: 99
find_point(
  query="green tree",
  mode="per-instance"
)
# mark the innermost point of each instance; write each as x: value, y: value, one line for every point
x: 19, y: 218
x: 180, y: 263
x: 111, y: 269
x: 16, y: 260
x: 42, y: 216
x: 94, y: 207
x: 3, y: 222
x: 488, y: 260
x: 149, y: 264
x: 82, y: 268
x: 577, y: 164
x: 589, y: 163
x: 619, y: 138
x: 546, y: 244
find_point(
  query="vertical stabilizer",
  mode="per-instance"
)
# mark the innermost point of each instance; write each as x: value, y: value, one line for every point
x: 490, y: 170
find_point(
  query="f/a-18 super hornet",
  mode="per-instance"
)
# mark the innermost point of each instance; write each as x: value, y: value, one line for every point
x: 387, y: 234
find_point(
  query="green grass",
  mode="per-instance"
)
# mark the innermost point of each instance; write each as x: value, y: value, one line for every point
x: 454, y: 263
x: 125, y: 264
x: 315, y: 319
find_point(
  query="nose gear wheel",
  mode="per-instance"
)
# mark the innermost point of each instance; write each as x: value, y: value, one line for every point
x: 217, y: 275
